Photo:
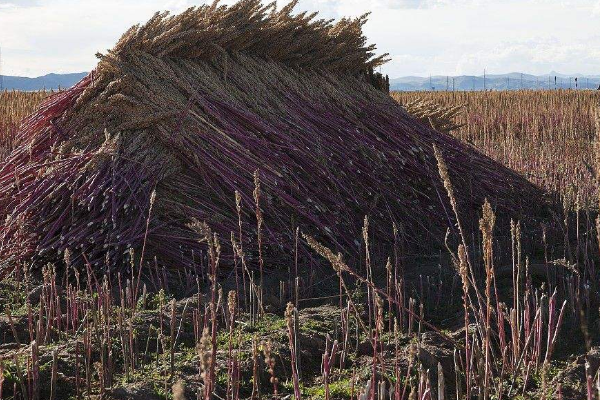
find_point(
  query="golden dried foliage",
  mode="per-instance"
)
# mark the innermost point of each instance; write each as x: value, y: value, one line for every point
x: 14, y: 106
x: 250, y: 27
x: 336, y: 260
x: 439, y: 117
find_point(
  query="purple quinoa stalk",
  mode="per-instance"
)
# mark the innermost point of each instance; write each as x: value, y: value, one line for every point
x: 486, y: 224
x: 328, y: 362
x: 289, y: 317
x: 259, y: 223
x: 232, y: 307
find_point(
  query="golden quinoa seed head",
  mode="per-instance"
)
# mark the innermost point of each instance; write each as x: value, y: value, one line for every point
x: 486, y: 223
x: 238, y: 201
x: 204, y: 353
x: 67, y: 257
x: 463, y: 269
x: 444, y: 174
x: 232, y: 302
x: 289, y: 314
x: 388, y: 265
x: 380, y: 308
x: 335, y: 260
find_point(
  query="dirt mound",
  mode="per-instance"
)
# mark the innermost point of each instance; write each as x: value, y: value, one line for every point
x: 186, y: 109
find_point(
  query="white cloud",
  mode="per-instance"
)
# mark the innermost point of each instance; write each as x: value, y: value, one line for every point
x: 18, y: 3
x: 423, y: 36
x: 64, y: 35
x: 531, y: 36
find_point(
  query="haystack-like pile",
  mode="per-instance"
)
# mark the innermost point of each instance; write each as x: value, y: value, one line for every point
x: 190, y: 106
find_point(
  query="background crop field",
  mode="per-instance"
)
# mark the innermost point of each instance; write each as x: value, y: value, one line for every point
x: 549, y: 136
x: 14, y: 106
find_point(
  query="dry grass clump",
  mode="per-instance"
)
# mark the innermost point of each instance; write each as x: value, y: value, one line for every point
x: 548, y: 136
x: 14, y: 106
x: 441, y: 118
x: 298, y: 40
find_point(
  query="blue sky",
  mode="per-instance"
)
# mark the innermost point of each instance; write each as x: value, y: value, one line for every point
x: 446, y: 37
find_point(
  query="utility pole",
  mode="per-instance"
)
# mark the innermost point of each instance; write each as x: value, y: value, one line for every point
x: 508, y: 83
x: 484, y: 80
x: 447, y: 83
x: 521, y: 81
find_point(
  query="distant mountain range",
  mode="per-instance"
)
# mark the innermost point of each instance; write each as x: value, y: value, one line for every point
x: 48, y: 82
x: 512, y: 81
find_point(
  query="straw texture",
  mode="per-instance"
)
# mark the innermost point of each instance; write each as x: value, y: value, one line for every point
x: 184, y: 111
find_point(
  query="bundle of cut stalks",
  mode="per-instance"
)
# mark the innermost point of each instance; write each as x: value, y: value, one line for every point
x: 297, y: 40
x: 186, y: 110
x: 441, y: 118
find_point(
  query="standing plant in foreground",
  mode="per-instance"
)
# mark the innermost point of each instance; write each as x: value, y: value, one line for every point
x: 289, y: 318
x: 259, y: 223
x: 203, y: 349
x: 270, y: 361
x: 463, y: 272
x: 232, y: 361
x: 327, y: 364
x: 486, y: 225
x: 214, y: 254
x: 445, y: 177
